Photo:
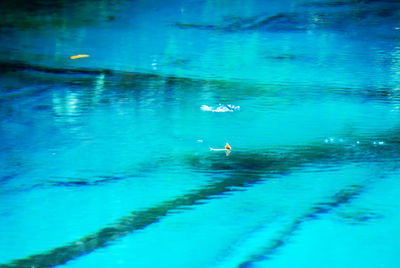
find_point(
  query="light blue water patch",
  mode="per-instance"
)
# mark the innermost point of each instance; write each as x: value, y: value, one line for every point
x: 227, y: 231
x: 47, y: 221
x: 352, y: 235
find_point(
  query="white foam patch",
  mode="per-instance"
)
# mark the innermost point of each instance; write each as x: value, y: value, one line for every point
x: 221, y: 108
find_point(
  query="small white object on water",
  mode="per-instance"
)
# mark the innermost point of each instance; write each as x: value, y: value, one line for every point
x: 199, y: 140
x: 205, y: 108
x: 220, y: 108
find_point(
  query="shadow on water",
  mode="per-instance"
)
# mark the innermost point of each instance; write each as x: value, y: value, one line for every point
x: 37, y: 14
x: 262, y: 165
x: 129, y: 81
x: 359, y: 14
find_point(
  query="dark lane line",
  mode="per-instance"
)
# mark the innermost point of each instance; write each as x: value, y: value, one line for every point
x: 342, y: 197
x: 126, y: 225
x: 74, y: 182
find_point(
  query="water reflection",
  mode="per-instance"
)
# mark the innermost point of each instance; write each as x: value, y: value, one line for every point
x: 329, y: 44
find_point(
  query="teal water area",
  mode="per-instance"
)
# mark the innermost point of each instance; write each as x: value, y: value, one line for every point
x: 105, y: 160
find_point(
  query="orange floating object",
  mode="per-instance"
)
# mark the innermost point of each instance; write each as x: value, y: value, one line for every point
x: 79, y: 56
x: 227, y: 146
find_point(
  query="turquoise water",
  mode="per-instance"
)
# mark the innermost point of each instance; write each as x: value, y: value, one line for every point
x: 105, y: 160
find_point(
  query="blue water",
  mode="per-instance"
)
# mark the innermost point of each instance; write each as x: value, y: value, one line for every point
x: 105, y: 160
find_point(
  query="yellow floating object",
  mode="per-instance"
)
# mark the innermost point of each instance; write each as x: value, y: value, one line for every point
x: 227, y: 146
x: 79, y: 56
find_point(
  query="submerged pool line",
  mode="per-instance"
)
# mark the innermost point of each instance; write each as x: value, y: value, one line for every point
x: 263, y: 164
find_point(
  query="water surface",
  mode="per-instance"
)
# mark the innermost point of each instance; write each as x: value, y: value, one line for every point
x: 105, y: 160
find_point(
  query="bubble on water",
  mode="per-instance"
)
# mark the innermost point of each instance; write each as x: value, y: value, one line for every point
x: 378, y: 143
x: 154, y: 65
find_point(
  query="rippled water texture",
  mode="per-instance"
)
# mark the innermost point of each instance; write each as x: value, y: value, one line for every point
x: 105, y: 157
